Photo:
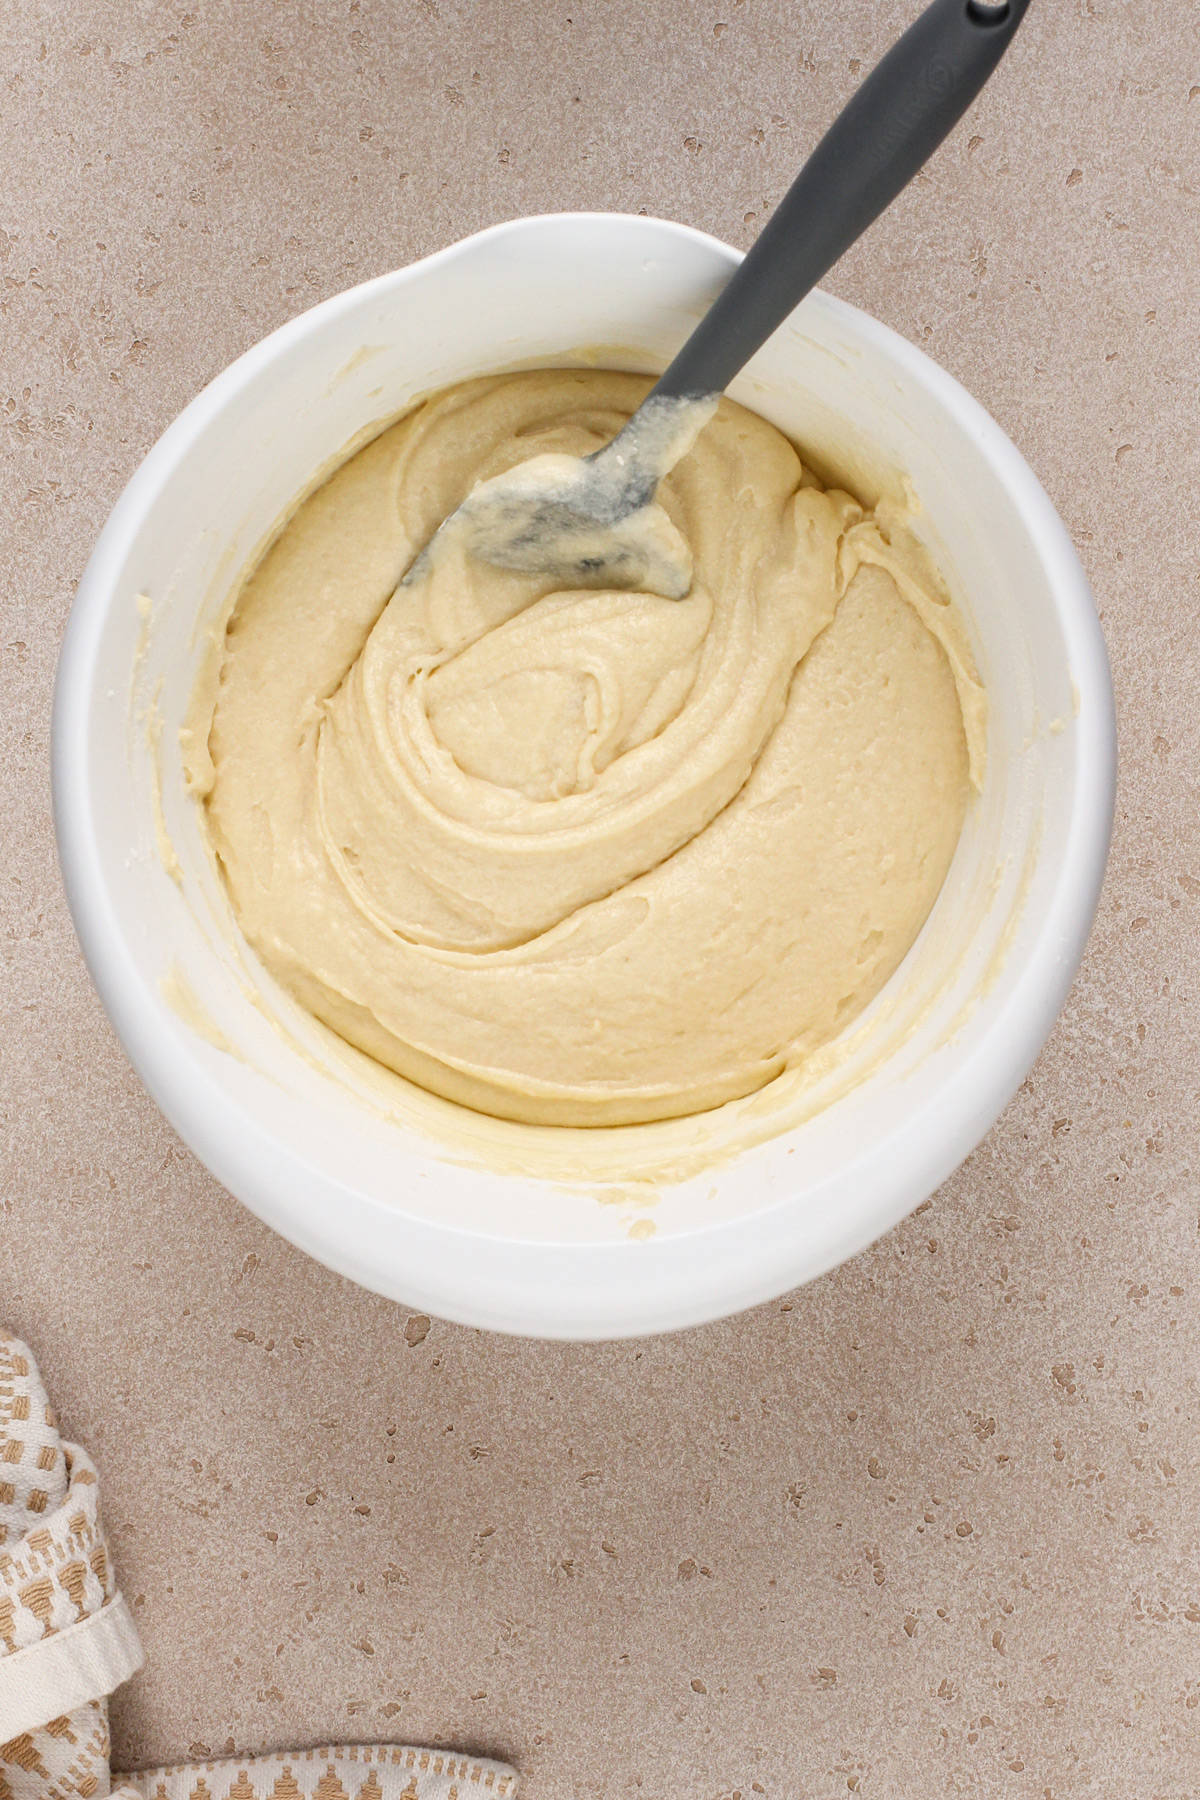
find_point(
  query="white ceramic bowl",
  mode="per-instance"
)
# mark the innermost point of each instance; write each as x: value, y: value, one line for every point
x: 553, y: 1233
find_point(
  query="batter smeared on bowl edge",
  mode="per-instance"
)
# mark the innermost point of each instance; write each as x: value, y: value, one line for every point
x: 587, y: 857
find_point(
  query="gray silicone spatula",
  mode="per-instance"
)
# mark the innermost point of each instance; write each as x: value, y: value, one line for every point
x: 592, y: 521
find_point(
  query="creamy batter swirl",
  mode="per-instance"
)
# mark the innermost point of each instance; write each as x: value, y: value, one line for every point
x: 586, y: 857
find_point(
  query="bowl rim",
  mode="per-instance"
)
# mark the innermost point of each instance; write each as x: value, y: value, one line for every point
x: 668, y: 1294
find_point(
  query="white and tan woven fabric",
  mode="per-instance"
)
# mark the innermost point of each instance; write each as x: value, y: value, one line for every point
x: 67, y: 1641
x: 335, y: 1772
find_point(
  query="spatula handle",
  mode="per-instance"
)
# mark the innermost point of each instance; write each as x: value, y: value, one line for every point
x: 891, y: 127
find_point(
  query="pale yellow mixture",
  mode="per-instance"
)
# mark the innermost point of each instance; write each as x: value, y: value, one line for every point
x: 587, y: 857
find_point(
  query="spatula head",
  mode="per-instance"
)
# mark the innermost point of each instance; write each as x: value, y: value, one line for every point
x: 576, y: 519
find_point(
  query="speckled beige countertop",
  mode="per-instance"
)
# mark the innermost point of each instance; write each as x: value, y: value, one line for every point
x: 930, y: 1526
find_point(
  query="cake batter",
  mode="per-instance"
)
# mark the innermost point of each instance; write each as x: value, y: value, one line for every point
x: 587, y: 857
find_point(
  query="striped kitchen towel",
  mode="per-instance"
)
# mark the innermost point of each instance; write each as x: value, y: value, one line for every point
x: 67, y: 1640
